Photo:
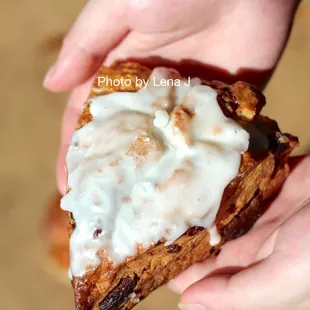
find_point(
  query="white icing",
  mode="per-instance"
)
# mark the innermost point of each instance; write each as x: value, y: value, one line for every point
x: 215, y: 237
x: 70, y: 274
x: 161, y: 118
x: 138, y: 179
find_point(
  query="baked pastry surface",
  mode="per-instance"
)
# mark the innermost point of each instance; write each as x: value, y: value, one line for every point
x: 261, y: 175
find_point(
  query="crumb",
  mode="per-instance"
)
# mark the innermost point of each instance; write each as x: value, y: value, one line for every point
x: 181, y: 119
x: 217, y: 129
x: 97, y: 232
x: 140, y: 147
x: 115, y: 162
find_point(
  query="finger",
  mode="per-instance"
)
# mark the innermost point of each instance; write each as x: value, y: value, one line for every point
x: 294, y: 238
x: 263, y: 286
x: 280, y: 281
x: 70, y: 118
x: 257, y: 244
x: 293, y: 196
x: 246, y: 250
x: 100, y: 26
x: 191, y: 275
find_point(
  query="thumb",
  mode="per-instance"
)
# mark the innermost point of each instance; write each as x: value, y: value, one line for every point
x: 269, y: 284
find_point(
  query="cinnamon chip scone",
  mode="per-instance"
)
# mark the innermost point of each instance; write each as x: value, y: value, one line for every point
x: 162, y: 170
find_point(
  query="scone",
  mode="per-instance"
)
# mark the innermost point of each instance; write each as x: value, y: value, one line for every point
x: 162, y: 170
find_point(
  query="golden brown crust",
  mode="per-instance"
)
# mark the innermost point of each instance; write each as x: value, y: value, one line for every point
x: 239, y: 100
x: 55, y: 229
x: 120, y: 70
x: 261, y: 174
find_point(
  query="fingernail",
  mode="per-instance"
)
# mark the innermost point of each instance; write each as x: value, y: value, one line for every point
x: 49, y: 75
x: 191, y: 307
x: 173, y: 287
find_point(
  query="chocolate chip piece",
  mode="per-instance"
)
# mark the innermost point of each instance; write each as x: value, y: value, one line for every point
x: 217, y: 252
x: 97, y: 232
x: 119, y: 294
x: 174, y: 248
x: 227, y: 101
x: 194, y: 230
x: 232, y: 208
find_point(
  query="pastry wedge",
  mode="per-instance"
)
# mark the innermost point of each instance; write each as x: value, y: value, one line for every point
x: 160, y: 176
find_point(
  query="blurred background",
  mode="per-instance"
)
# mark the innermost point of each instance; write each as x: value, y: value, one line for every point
x: 31, y: 33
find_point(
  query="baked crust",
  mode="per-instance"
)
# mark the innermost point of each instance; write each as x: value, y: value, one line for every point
x: 55, y: 229
x: 261, y: 174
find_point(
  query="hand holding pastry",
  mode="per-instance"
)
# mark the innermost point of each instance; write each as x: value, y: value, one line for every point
x: 268, y: 268
x: 229, y: 35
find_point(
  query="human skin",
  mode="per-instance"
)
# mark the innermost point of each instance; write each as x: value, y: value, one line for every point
x: 267, y: 268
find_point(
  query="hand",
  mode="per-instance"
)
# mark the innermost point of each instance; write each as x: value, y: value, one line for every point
x: 229, y: 35
x: 267, y: 268
x: 232, y: 35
